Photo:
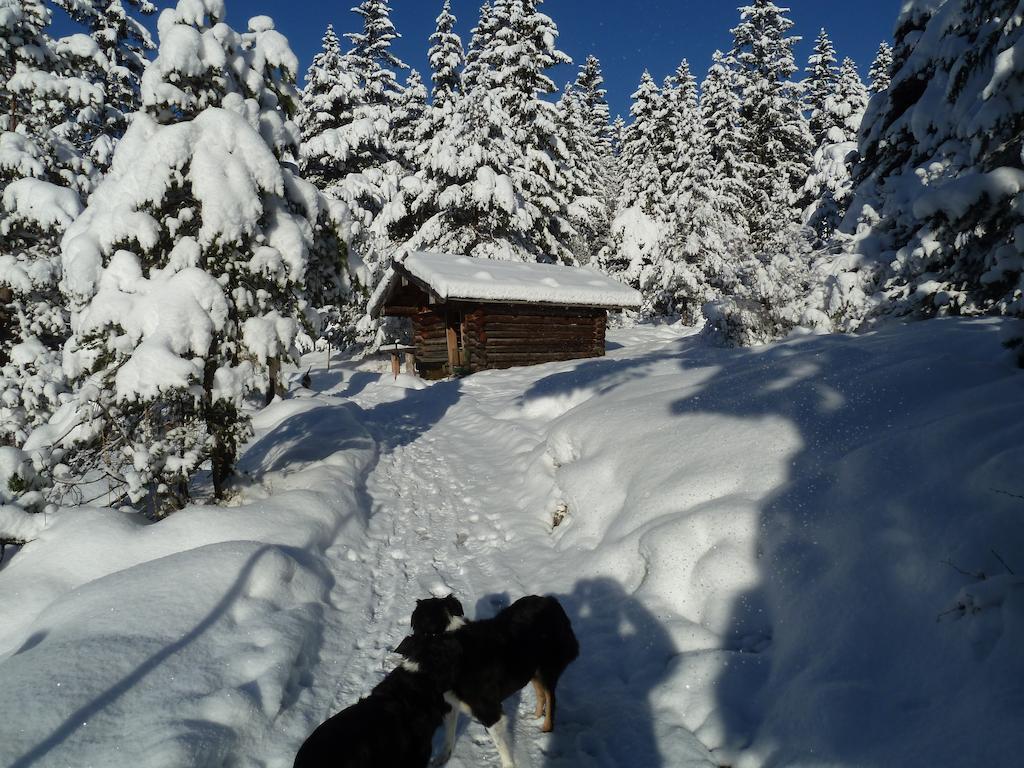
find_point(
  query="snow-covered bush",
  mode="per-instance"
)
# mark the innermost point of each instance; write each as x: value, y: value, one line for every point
x: 774, y: 294
x: 187, y: 273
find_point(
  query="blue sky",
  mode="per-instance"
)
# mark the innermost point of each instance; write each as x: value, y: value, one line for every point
x: 627, y: 35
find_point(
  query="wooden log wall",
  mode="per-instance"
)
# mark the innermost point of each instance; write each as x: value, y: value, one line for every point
x: 430, y: 337
x: 512, y: 335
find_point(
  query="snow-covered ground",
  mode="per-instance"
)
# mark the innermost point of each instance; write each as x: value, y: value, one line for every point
x: 757, y: 554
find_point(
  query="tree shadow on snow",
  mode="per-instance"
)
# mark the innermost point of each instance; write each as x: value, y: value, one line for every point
x: 402, y: 421
x: 301, y: 440
x: 600, y: 376
x: 838, y: 598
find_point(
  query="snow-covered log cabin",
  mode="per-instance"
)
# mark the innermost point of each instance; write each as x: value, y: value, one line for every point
x: 471, y: 314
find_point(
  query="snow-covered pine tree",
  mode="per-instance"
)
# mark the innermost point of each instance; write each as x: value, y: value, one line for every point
x: 356, y: 153
x: 328, y: 101
x: 446, y: 59
x: 41, y: 179
x: 408, y: 117
x: 34, y: 212
x: 641, y: 146
x: 477, y: 70
x: 820, y: 85
x: 618, y: 135
x: 723, y: 130
x: 469, y: 201
x: 937, y: 217
x: 594, y: 98
x: 635, y: 253
x: 880, y: 73
x: 774, y: 276
x: 123, y: 43
x: 371, y: 58
x: 521, y: 51
x: 581, y: 176
x: 831, y: 182
x: 681, y: 120
x: 777, y: 143
x: 201, y: 208
x: 589, y: 167
x: 702, y: 243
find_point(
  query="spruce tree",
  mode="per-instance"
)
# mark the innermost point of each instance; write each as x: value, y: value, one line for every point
x: 446, y: 59
x: 830, y: 182
x: 679, y: 141
x: 723, y: 131
x: 636, y: 254
x: 371, y: 58
x: 476, y: 71
x: 701, y: 245
x: 328, y: 103
x: 368, y: 173
x: 641, y: 148
x: 777, y: 143
x: 820, y: 85
x: 593, y: 98
x: 123, y: 42
x: 936, y: 218
x: 202, y: 209
x: 408, y: 118
x: 468, y: 203
x: 42, y: 178
x: 881, y: 70
x: 521, y: 51
x: 581, y: 176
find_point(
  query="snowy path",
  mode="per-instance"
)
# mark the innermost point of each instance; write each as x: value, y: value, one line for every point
x: 456, y: 505
x: 428, y: 535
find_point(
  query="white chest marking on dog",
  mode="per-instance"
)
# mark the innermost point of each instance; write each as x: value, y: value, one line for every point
x: 454, y: 623
x: 410, y: 666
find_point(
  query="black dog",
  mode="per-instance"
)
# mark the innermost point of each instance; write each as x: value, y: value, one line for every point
x: 394, y: 726
x: 531, y: 640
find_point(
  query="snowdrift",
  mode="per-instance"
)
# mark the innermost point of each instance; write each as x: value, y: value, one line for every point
x: 125, y: 643
x: 795, y: 517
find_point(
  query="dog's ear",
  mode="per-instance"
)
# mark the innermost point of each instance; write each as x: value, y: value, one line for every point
x: 453, y: 606
x: 408, y: 647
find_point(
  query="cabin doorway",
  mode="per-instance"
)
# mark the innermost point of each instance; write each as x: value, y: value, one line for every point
x: 456, y: 331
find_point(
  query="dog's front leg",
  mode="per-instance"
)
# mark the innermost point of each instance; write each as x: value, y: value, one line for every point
x: 451, y: 722
x: 499, y: 735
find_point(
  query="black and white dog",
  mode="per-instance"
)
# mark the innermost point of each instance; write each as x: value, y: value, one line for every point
x: 394, y: 726
x: 531, y: 640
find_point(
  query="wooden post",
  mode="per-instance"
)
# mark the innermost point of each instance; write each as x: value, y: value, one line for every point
x: 453, y: 346
x: 396, y: 365
x: 410, y: 362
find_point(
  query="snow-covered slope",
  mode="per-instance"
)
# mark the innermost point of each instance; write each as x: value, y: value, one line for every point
x: 752, y: 553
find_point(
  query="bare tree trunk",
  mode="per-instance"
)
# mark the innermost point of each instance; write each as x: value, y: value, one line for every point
x: 220, y: 420
x: 6, y: 321
x: 274, y: 384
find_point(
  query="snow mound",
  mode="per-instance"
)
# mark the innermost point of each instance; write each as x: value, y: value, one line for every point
x: 198, y: 630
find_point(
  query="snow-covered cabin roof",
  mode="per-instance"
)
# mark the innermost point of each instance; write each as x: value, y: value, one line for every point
x: 463, y: 278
